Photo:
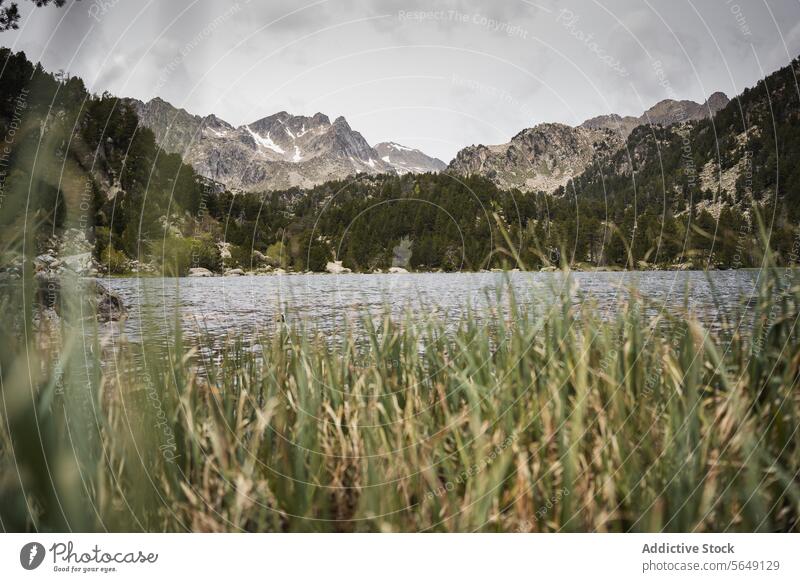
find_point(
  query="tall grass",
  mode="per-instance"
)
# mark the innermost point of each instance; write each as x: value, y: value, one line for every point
x: 565, y: 421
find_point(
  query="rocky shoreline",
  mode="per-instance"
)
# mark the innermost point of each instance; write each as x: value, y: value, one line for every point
x: 72, y: 256
x: 67, y: 267
x: 202, y: 272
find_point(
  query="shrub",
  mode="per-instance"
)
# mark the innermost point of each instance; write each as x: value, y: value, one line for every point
x: 205, y: 253
x: 115, y: 261
x: 173, y: 255
x: 277, y: 255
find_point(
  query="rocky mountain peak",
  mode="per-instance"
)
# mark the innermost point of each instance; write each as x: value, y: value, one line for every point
x: 267, y: 123
x: 278, y: 151
x: 321, y: 119
x: 213, y: 119
x: 717, y: 101
x: 623, y: 125
x: 341, y: 123
x: 665, y: 112
x: 407, y: 160
x: 542, y: 157
x: 669, y: 111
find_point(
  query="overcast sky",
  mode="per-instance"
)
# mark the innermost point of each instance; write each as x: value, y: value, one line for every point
x: 432, y: 75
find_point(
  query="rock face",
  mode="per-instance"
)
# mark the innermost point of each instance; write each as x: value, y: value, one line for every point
x: 407, y: 160
x: 276, y: 152
x: 623, y: 125
x: 543, y: 157
x: 666, y: 112
x: 546, y: 156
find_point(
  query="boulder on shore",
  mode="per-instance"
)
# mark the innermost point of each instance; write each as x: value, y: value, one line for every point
x: 397, y: 270
x: 110, y: 306
x: 200, y: 272
x: 336, y: 268
x: 44, y: 260
x: 83, y: 264
x: 234, y: 273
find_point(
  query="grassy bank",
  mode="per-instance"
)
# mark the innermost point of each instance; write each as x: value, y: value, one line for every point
x: 566, y: 422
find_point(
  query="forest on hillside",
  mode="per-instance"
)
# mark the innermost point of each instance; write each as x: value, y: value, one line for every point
x: 82, y: 161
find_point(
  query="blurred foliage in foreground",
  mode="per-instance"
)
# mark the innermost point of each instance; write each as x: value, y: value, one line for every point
x: 562, y: 422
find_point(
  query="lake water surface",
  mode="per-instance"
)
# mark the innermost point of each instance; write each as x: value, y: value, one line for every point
x: 220, y: 306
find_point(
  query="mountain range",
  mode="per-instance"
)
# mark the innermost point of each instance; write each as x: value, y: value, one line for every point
x: 283, y: 150
x: 546, y: 156
x: 276, y: 152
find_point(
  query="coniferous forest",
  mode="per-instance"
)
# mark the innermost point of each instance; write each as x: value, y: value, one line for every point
x: 656, y: 203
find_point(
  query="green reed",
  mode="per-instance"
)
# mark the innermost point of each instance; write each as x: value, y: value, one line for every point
x: 517, y: 421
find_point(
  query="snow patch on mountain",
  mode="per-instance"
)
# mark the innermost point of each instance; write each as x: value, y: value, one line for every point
x: 265, y: 142
x: 407, y: 160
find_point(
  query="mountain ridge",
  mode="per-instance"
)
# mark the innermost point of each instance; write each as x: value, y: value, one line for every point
x: 546, y: 156
x: 274, y: 152
x: 283, y: 150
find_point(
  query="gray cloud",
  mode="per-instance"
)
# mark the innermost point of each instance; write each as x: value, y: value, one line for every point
x: 432, y: 75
